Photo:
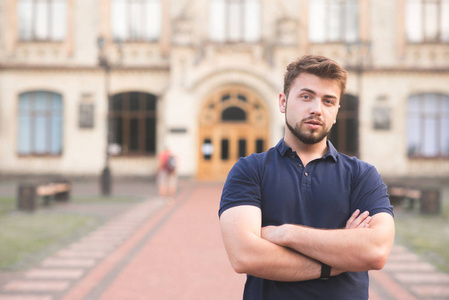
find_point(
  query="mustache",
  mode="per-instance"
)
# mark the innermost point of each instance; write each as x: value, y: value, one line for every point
x: 314, y: 119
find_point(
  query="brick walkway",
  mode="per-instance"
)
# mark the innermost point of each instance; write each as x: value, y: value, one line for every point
x: 172, y: 249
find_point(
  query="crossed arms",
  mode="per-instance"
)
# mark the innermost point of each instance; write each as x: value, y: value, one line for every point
x: 294, y: 252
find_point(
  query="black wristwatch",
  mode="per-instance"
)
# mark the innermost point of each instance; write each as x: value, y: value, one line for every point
x: 325, y: 272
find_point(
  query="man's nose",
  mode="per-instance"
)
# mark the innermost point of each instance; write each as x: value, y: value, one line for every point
x: 315, y: 108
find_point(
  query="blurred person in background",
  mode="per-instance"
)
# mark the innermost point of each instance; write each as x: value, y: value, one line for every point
x: 166, y: 174
x: 303, y: 220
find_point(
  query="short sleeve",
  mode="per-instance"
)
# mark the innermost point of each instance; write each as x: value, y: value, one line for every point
x: 370, y: 192
x: 242, y: 186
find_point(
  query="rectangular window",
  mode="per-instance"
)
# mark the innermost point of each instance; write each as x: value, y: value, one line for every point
x: 40, y: 123
x: 136, y: 20
x: 207, y: 149
x: 333, y: 21
x: 134, y: 101
x: 133, y: 135
x: 427, y: 21
x: 116, y: 130
x: 242, y: 148
x: 260, y: 147
x: 224, y: 149
x: 150, y: 130
x: 132, y: 123
x: 235, y: 21
x: 42, y: 20
x: 428, y: 123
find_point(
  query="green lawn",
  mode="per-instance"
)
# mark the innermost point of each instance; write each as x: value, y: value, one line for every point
x: 7, y: 204
x: 427, y: 236
x: 26, y: 237
x: 103, y: 199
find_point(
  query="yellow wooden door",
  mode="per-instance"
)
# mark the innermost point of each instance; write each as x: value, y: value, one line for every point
x: 233, y: 124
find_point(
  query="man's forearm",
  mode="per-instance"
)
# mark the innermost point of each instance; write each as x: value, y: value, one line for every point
x: 349, y: 250
x: 249, y: 253
x: 356, y: 250
x: 270, y: 261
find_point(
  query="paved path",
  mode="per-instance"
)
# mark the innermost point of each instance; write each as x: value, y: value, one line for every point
x: 172, y: 249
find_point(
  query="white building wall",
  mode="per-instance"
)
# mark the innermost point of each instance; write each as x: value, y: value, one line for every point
x: 79, y: 154
x: 184, y: 68
x: 387, y: 149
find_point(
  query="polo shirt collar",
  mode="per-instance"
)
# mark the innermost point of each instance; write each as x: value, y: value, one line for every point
x: 332, y: 152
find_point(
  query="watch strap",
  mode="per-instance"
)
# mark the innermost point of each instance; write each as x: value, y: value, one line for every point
x: 325, y: 272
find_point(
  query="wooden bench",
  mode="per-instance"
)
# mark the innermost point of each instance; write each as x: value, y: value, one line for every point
x: 400, y: 194
x: 28, y: 195
x: 428, y: 199
x: 54, y: 191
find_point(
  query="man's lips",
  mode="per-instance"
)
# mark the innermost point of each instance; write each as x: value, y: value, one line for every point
x: 314, y: 122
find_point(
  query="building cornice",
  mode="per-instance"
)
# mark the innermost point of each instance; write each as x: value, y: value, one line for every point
x: 37, y: 67
x: 397, y: 70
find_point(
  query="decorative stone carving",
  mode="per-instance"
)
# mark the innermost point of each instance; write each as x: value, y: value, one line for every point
x: 183, y: 31
x: 287, y: 31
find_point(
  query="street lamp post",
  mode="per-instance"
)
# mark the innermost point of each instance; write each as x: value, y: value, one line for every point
x: 105, y: 180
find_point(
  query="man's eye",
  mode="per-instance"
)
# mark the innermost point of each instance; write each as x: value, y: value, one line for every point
x: 306, y: 97
x: 328, y: 102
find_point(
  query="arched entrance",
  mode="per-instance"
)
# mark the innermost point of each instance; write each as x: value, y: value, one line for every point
x: 233, y: 124
x: 345, y: 133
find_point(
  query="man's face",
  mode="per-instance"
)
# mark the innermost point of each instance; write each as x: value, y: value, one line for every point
x: 311, y: 107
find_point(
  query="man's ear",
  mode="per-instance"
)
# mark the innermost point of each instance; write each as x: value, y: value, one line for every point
x: 282, y: 102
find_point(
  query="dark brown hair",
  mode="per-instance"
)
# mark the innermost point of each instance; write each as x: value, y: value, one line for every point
x: 320, y: 66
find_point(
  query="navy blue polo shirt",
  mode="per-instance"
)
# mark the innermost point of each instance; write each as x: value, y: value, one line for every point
x: 323, y: 194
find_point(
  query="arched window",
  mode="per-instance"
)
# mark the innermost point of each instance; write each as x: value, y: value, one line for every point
x: 428, y: 125
x: 235, y: 20
x: 233, y: 113
x: 40, y: 123
x: 132, y: 123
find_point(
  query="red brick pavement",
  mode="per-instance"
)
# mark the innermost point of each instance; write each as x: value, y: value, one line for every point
x: 177, y: 253
x: 185, y: 259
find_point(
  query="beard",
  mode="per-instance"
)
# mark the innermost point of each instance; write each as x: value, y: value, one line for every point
x: 307, y: 136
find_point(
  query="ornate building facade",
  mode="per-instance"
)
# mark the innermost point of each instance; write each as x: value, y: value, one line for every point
x: 84, y: 84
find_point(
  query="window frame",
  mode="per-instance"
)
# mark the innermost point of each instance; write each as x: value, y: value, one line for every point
x: 437, y: 116
x: 51, y: 22
x: 340, y: 135
x: 425, y: 39
x: 343, y: 19
x: 127, y: 115
x: 242, y: 33
x: 141, y: 36
x: 49, y: 115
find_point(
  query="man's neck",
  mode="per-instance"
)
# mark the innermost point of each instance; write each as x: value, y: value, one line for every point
x: 307, y: 152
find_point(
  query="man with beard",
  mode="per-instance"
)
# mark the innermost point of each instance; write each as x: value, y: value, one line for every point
x: 302, y: 220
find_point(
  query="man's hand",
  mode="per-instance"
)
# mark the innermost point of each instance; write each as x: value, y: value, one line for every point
x: 358, y: 221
